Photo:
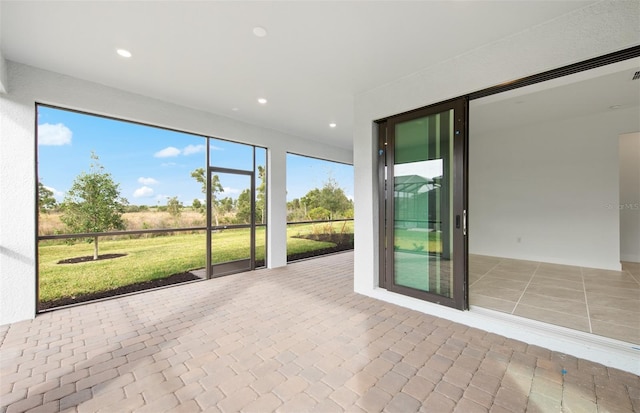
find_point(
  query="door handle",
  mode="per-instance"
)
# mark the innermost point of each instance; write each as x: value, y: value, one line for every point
x: 464, y: 222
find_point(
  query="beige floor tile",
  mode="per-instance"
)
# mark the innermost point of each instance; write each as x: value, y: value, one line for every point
x: 560, y: 283
x: 632, y: 268
x: 556, y: 292
x: 560, y: 275
x: 491, y: 282
x: 633, y: 294
x: 614, y: 315
x: 612, y: 330
x: 600, y: 273
x: 627, y: 283
x: 608, y: 301
x: 509, y: 275
x: 492, y: 303
x: 501, y: 293
x: 559, y: 268
x: 570, y: 307
x: 552, y: 317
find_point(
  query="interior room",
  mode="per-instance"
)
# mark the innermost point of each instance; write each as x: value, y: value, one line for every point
x: 553, y: 202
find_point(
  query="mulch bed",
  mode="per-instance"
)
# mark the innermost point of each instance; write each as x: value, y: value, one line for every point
x: 344, y: 242
x: 88, y: 258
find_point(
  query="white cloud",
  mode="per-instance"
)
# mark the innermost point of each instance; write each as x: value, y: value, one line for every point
x: 229, y: 190
x: 54, y: 135
x: 191, y: 149
x: 147, y: 181
x: 167, y: 164
x: 167, y: 152
x: 56, y: 194
x: 172, y: 151
x: 215, y: 148
x: 143, y: 192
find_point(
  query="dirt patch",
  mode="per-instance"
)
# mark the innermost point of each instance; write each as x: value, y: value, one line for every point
x: 146, y: 285
x: 88, y: 258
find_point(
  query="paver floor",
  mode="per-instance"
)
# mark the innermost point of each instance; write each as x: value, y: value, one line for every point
x: 291, y: 340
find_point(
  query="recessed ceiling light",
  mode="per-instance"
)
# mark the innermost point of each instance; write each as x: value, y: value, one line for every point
x: 332, y: 125
x: 123, y: 52
x: 262, y: 101
x: 259, y: 31
x: 235, y: 109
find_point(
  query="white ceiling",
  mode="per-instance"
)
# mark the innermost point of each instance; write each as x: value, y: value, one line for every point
x: 585, y: 93
x: 315, y: 58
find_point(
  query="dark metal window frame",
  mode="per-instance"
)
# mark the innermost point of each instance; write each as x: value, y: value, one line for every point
x: 209, y: 227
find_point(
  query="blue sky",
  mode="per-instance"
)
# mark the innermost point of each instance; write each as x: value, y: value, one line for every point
x: 152, y: 164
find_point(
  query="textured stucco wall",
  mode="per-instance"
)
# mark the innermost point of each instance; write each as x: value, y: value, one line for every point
x: 29, y: 85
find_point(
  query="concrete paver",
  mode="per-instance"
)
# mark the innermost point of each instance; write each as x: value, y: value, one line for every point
x: 290, y: 339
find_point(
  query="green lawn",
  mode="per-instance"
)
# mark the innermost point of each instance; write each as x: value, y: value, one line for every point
x: 417, y: 241
x: 149, y: 259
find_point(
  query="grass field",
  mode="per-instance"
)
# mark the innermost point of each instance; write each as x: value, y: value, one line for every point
x: 152, y: 258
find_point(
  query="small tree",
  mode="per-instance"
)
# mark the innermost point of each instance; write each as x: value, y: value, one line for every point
x: 319, y: 213
x: 174, y: 207
x: 198, y: 206
x: 200, y: 176
x: 93, y: 204
x: 46, y: 201
x: 331, y: 197
x: 261, y: 198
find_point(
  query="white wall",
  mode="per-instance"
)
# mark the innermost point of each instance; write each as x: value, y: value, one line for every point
x: 546, y: 191
x: 3, y: 64
x: 629, y: 206
x: 592, y: 31
x: 28, y: 85
x: 3, y: 74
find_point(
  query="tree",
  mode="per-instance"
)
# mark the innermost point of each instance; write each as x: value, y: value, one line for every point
x: 243, y: 204
x: 174, y: 207
x: 46, y: 201
x: 243, y: 207
x: 94, y: 204
x: 226, y: 204
x: 331, y: 197
x: 319, y: 213
x: 200, y: 175
x: 261, y: 201
x: 198, y: 206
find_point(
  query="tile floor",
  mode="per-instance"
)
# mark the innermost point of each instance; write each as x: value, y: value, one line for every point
x: 606, y: 303
x: 294, y: 339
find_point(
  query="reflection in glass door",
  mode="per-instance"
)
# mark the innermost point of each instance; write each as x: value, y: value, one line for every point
x: 232, y: 245
x: 425, y: 231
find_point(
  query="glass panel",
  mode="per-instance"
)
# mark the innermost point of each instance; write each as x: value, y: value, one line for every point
x: 230, y: 248
x: 261, y: 205
x: 225, y: 154
x: 423, y: 200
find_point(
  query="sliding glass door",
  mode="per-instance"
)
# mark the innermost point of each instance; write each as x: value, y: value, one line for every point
x: 424, y: 235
